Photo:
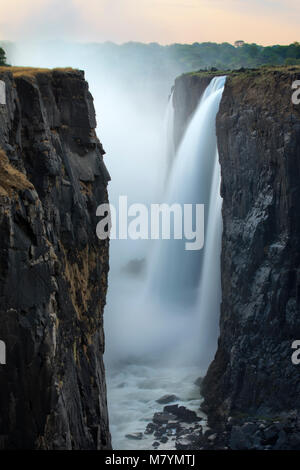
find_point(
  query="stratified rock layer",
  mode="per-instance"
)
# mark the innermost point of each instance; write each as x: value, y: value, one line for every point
x: 258, y: 131
x: 53, y: 269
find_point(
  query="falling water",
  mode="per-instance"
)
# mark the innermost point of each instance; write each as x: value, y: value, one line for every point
x: 209, y: 297
x: 169, y: 135
x: 168, y: 339
x: 176, y: 272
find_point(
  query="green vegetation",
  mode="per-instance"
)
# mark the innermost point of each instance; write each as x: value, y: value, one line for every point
x: 258, y: 72
x: 227, y: 56
x: 151, y: 68
x: 195, y: 56
x: 2, y: 56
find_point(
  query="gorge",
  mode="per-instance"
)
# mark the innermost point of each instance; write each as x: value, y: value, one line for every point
x: 54, y: 270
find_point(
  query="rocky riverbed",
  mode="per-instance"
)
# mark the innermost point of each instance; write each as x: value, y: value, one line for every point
x: 177, y: 427
x: 150, y: 405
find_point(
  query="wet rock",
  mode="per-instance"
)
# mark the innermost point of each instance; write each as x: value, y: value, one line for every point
x: 270, y: 435
x: 135, y: 436
x: 282, y: 441
x: 171, y: 409
x: 159, y: 432
x: 150, y: 428
x: 173, y: 424
x: 183, y: 443
x: 163, y: 418
x: 182, y: 413
x: 167, y: 399
x: 238, y: 440
x: 188, y: 442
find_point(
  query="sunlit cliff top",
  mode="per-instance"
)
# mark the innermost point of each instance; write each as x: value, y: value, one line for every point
x: 33, y: 71
x: 247, y: 72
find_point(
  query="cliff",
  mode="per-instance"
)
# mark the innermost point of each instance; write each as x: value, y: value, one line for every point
x: 53, y: 268
x: 187, y: 91
x: 258, y: 133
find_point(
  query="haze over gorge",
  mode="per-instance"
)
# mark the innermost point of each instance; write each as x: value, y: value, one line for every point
x: 198, y: 343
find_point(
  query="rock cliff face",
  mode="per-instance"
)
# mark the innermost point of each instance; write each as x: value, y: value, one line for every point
x: 188, y: 90
x: 53, y: 269
x: 258, y: 131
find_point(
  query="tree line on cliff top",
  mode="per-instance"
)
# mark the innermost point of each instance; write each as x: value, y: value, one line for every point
x: 186, y: 57
x: 203, y: 55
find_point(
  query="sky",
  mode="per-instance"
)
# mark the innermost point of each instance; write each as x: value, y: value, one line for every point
x: 164, y: 21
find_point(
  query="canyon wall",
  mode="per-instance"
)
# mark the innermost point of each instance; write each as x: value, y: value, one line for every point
x: 53, y: 269
x: 258, y: 133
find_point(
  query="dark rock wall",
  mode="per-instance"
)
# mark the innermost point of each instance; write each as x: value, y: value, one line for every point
x: 187, y: 92
x: 258, y: 131
x: 53, y: 269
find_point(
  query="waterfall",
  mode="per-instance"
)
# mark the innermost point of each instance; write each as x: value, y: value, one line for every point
x: 166, y: 338
x: 169, y: 135
x: 209, y: 297
x: 175, y: 272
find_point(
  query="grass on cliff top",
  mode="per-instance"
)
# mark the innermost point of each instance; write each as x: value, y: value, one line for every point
x: 11, y: 180
x: 32, y: 71
x: 248, y: 73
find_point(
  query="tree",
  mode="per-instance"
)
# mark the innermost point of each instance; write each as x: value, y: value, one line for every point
x: 2, y: 57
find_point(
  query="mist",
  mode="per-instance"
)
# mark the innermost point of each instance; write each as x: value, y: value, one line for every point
x: 149, y: 342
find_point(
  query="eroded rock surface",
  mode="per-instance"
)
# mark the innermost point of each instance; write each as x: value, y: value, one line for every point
x: 53, y: 269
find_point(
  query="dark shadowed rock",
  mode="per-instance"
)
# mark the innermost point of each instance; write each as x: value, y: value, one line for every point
x: 53, y: 268
x: 182, y: 413
x: 150, y: 428
x: 163, y: 418
x: 258, y: 133
x: 167, y: 399
x: 137, y: 436
x: 259, y: 147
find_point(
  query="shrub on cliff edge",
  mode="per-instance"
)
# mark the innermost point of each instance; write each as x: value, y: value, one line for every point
x: 2, y: 57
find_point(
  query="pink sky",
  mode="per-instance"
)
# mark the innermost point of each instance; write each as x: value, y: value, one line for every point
x: 164, y: 21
